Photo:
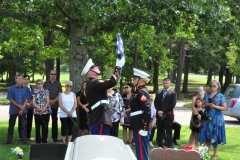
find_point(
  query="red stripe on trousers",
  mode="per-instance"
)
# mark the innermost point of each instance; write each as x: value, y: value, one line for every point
x: 140, y: 146
x: 101, y: 129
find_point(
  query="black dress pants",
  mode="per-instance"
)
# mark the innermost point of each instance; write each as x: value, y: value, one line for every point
x: 54, y: 123
x: 114, y: 129
x: 41, y: 122
x: 22, y: 128
x: 164, y: 126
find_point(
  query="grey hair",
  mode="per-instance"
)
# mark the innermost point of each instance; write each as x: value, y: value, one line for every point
x: 71, y: 83
x: 38, y: 80
x: 18, y: 75
x: 219, y: 85
x: 151, y: 96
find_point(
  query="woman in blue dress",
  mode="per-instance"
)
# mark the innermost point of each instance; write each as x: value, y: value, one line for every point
x: 212, y: 131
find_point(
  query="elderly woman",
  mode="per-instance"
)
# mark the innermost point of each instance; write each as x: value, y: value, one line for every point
x: 68, y: 104
x: 140, y: 114
x: 42, y: 111
x: 117, y: 107
x: 213, y: 131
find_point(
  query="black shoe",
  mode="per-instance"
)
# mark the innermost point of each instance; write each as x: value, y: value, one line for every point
x: 175, y: 142
x: 55, y: 140
x: 7, y: 142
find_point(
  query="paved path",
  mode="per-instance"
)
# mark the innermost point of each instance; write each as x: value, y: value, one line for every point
x: 182, y: 115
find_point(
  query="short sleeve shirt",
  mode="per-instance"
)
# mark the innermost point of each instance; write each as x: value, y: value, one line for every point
x: 19, y: 95
x: 54, y: 89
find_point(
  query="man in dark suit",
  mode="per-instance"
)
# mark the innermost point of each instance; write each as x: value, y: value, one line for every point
x: 164, y: 103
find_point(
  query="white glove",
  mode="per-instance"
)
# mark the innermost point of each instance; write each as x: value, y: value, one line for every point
x: 120, y: 63
x: 143, y: 133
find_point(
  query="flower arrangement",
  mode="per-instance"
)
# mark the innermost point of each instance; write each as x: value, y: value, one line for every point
x: 18, y: 151
x: 203, y: 150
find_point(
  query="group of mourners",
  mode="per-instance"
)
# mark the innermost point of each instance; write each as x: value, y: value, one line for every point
x: 102, y: 109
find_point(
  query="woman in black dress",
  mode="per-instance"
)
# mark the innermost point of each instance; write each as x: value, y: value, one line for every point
x: 129, y: 89
x: 83, y: 109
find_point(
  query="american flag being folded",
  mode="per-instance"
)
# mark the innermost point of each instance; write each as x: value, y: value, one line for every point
x: 120, y: 52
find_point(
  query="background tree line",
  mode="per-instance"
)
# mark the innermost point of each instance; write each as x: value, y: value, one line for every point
x: 166, y: 37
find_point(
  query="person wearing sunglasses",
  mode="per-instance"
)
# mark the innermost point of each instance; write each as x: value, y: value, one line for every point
x: 55, y: 88
x: 140, y: 113
x: 100, y: 121
x: 129, y: 91
x: 212, y: 132
x: 42, y: 111
x: 68, y: 104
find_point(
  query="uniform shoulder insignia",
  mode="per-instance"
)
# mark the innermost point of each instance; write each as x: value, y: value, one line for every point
x: 101, y: 81
x: 143, y: 98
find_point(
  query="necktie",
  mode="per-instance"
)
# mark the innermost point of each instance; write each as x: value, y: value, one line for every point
x: 164, y: 93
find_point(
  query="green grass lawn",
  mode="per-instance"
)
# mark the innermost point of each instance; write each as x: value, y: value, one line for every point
x: 230, y: 151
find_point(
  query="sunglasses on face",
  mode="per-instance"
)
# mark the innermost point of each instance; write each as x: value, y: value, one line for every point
x: 53, y: 74
x: 214, y: 86
x: 126, y: 87
x: 69, y: 86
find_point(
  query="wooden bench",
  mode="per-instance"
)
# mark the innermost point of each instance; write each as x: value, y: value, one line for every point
x: 171, y: 154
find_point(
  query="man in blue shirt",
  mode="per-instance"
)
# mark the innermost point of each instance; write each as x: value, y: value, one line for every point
x: 18, y: 95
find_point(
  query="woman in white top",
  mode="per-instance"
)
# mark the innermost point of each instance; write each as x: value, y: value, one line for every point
x: 68, y: 104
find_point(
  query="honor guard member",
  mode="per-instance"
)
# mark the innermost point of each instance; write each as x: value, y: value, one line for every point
x: 140, y: 114
x: 100, y: 121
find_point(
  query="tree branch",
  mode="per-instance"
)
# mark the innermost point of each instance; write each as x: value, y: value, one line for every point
x: 64, y: 12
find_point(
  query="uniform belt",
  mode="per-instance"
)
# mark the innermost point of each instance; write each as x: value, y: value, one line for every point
x: 136, y: 113
x: 98, y: 103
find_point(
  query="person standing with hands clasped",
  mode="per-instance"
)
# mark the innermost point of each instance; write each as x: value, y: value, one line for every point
x: 100, y: 121
x: 68, y: 104
x: 213, y: 131
x: 18, y: 95
x: 54, y: 88
x: 140, y: 114
x: 164, y: 103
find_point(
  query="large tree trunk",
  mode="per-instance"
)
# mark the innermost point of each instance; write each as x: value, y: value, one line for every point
x: 220, y: 75
x: 58, y: 68
x: 170, y: 72
x: 156, y: 69
x: 209, y: 78
x: 49, y: 63
x: 237, y: 79
x: 174, y: 75
x: 185, y: 80
x: 78, y: 59
x: 228, y: 80
x: 181, y: 58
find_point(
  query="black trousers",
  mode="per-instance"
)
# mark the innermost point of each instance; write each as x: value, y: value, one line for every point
x: 114, y: 129
x: 22, y: 126
x: 29, y: 124
x: 54, y: 123
x: 177, y: 128
x: 41, y: 122
x: 164, y: 126
x: 67, y: 126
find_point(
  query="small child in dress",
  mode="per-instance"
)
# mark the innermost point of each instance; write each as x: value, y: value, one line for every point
x: 196, y: 120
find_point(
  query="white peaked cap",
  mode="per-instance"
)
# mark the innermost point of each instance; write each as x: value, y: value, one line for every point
x: 87, y: 67
x: 141, y: 74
